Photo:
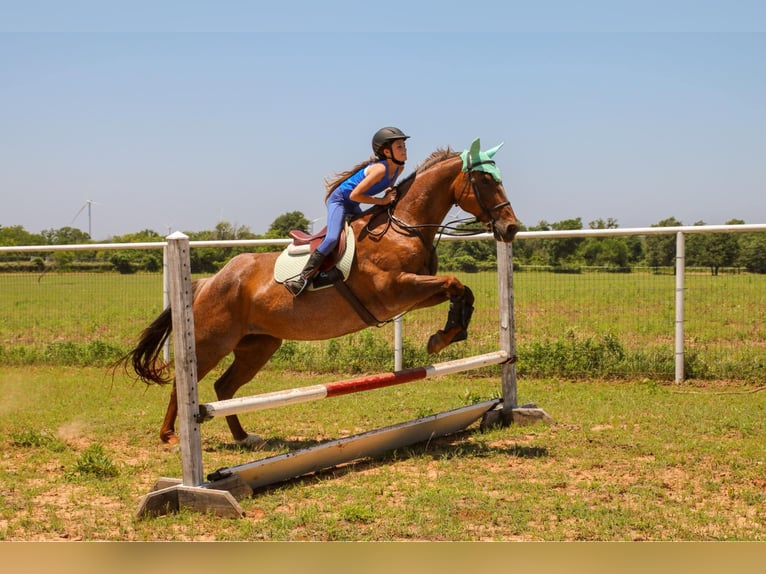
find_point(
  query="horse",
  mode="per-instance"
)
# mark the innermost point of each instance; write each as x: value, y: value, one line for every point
x: 243, y: 310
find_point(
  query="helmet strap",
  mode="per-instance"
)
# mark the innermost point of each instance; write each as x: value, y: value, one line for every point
x: 392, y: 158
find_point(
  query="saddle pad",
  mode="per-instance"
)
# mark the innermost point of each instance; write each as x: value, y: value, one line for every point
x: 291, y: 261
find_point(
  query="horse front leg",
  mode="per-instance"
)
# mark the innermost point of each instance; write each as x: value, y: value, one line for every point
x: 433, y: 290
x: 458, y: 319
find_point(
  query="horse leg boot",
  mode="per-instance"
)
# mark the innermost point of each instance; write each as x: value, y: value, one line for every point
x: 458, y: 319
x: 297, y: 284
x: 460, y: 315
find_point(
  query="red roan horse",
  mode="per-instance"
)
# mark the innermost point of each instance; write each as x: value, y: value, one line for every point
x: 241, y: 309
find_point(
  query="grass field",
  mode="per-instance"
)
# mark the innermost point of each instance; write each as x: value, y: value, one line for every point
x: 622, y: 461
x: 630, y: 456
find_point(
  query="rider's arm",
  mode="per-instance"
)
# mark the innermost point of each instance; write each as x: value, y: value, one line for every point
x: 374, y: 174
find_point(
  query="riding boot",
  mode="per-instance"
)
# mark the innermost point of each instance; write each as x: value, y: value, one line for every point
x: 297, y: 284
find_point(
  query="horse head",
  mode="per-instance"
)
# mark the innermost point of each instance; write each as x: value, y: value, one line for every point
x: 487, y: 200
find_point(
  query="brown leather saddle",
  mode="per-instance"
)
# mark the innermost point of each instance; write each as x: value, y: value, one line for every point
x: 329, y: 274
x: 301, y: 238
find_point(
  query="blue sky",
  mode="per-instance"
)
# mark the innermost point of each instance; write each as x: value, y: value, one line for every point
x: 177, y: 115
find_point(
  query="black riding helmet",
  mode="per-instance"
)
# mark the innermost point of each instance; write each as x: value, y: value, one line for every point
x: 385, y: 136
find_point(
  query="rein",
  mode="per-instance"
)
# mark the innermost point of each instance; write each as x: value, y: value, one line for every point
x: 415, y: 228
x: 393, y: 220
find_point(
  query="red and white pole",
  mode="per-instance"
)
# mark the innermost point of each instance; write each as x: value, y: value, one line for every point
x: 346, y: 387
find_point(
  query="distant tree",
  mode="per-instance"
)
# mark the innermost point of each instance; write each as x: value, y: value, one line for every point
x: 285, y: 223
x: 608, y: 251
x: 17, y: 235
x: 123, y: 262
x: 211, y: 259
x: 561, y: 251
x: 605, y: 252
x: 65, y: 236
x: 635, y: 245
x: 610, y: 223
x: 130, y: 261
x: 661, y: 249
x: 530, y: 251
x: 468, y: 256
x: 225, y: 231
x: 552, y: 252
x: 62, y: 259
x: 752, y: 252
x: 713, y: 250
x: 144, y: 236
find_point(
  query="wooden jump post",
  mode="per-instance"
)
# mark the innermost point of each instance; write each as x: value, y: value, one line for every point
x: 171, y: 494
x: 220, y: 493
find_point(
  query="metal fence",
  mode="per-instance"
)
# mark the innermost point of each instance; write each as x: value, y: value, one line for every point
x: 660, y: 323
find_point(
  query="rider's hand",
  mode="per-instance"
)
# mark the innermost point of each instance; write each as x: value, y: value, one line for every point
x: 390, y: 196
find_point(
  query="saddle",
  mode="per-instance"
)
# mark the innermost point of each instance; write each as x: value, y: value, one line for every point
x: 307, y: 243
x: 336, y: 266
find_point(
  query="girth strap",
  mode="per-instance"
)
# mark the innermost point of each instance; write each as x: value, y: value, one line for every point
x: 349, y: 296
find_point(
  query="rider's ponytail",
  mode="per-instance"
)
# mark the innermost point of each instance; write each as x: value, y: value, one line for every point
x: 332, y: 184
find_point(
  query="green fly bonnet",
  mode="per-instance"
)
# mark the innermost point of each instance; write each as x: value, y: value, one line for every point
x: 476, y: 160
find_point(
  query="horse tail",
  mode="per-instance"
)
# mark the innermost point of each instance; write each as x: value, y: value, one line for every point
x: 145, y: 357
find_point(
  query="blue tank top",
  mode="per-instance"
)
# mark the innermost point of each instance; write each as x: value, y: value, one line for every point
x: 345, y: 188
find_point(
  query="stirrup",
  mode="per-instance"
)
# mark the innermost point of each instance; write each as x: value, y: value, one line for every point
x: 296, y: 285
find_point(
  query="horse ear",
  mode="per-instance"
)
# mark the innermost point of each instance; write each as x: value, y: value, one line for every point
x: 493, y: 151
x: 475, y: 148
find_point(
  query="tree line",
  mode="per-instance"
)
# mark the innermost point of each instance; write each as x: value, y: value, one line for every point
x: 714, y: 251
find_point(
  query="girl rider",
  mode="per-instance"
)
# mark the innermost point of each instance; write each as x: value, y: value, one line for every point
x: 351, y: 188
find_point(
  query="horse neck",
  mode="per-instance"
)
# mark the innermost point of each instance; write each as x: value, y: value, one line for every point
x: 431, y: 196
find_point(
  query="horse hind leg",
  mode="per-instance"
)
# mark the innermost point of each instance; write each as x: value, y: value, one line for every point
x: 458, y: 319
x: 250, y: 355
x: 240, y: 372
x: 168, y: 430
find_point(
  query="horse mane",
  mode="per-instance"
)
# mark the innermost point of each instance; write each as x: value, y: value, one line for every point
x: 440, y: 155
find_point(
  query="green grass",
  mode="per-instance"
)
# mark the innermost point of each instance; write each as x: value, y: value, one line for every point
x: 623, y: 461
x: 630, y: 456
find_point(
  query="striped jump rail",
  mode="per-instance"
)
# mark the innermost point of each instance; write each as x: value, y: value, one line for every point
x: 275, y: 399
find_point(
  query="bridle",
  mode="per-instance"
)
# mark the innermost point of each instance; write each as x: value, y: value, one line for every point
x: 470, y: 182
x: 488, y: 211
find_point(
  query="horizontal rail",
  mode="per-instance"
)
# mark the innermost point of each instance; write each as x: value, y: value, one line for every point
x: 322, y: 391
x: 556, y: 234
x: 621, y: 232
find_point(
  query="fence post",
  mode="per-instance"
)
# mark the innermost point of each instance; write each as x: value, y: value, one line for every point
x: 507, y: 341
x: 398, y: 342
x: 181, y: 300
x: 679, y: 335
x: 165, y: 297
x: 189, y: 492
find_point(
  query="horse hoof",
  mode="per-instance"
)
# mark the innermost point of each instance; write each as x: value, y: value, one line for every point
x: 252, y: 442
x: 462, y: 335
x: 436, y: 343
x: 170, y: 439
